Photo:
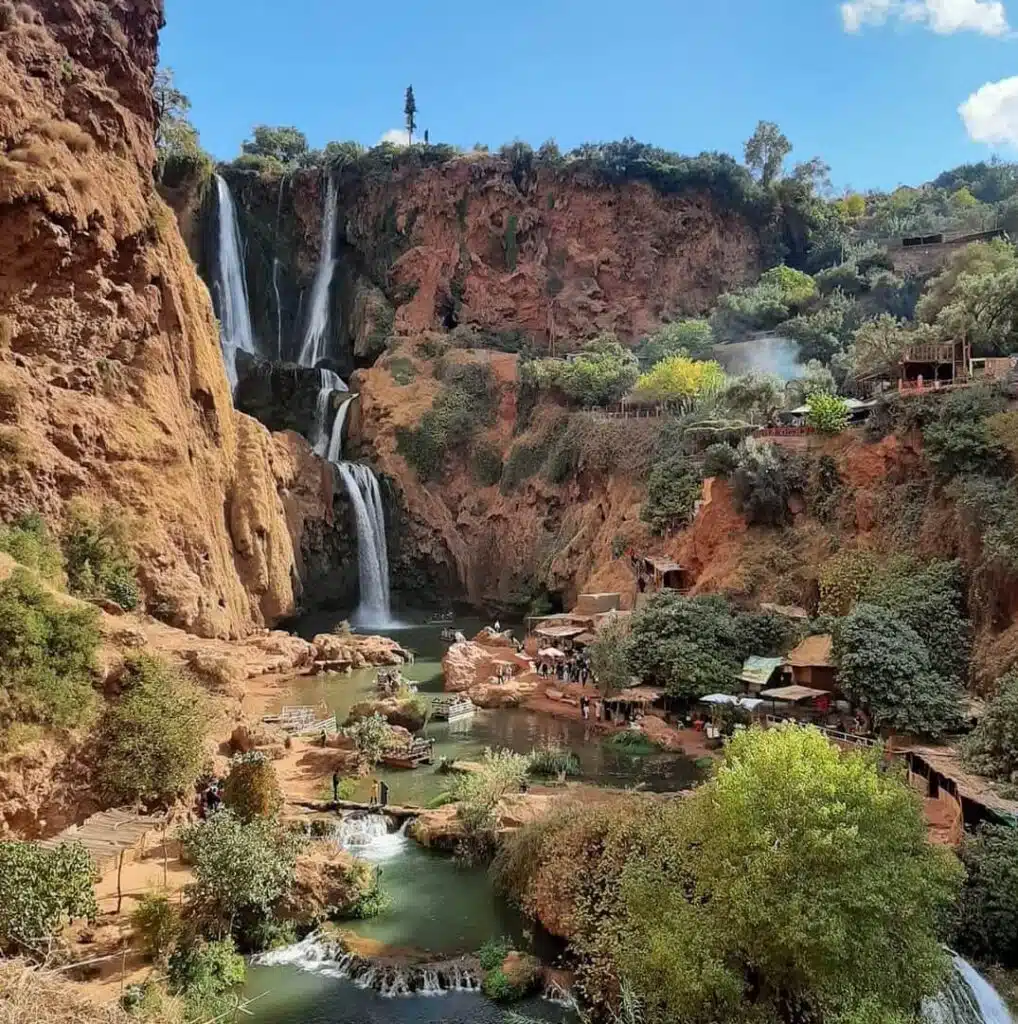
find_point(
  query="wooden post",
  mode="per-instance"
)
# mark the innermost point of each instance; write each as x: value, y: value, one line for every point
x: 166, y: 880
x: 120, y: 868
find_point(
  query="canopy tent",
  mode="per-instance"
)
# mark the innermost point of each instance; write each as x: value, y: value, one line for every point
x: 758, y: 671
x: 637, y: 695
x: 560, y: 632
x: 550, y: 652
x: 584, y: 640
x: 749, y: 703
x: 793, y: 694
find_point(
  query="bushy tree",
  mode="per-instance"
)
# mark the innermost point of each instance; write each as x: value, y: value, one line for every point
x: 719, y: 460
x: 609, y: 656
x: 240, y: 869
x: 679, y: 377
x: 252, y: 787
x: 176, y: 138
x: 673, y: 489
x: 150, y: 739
x: 691, y: 338
x: 992, y: 747
x: 39, y: 890
x: 603, y: 372
x: 762, y: 484
x: 795, y: 287
x: 157, y: 921
x: 47, y: 653
x: 827, y: 414
x: 478, y: 794
x: 283, y: 144
x: 205, y: 973
x: 372, y: 736
x: 691, y: 646
x: 741, y: 906
x: 884, y: 666
x: 756, y: 396
x: 878, y: 344
x: 986, y: 927
x: 98, y: 556
x: 814, y: 378
x: 964, y: 448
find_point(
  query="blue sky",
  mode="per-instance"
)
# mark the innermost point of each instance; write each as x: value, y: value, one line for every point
x: 874, y: 88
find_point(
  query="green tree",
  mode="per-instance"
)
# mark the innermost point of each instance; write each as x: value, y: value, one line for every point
x: 47, y: 655
x: 284, y: 144
x: 478, y: 793
x: 157, y: 921
x: 796, y: 288
x: 742, y: 906
x: 410, y: 114
x: 603, y: 372
x: 679, y: 377
x: 205, y: 973
x: 28, y: 540
x: 691, y: 338
x: 992, y: 747
x: 827, y: 414
x: 252, y: 788
x: 765, y: 152
x: 150, y: 739
x: 39, y: 890
x: 98, y: 556
x: 241, y: 869
x: 884, y: 666
x: 609, y: 655
x: 986, y: 918
x: 762, y: 483
x: 175, y: 136
x: 673, y: 489
x: 878, y: 344
x: 372, y: 736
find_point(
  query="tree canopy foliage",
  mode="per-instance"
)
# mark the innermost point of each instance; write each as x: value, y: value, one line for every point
x: 992, y: 747
x: 986, y: 919
x: 678, y: 377
x: 691, y: 338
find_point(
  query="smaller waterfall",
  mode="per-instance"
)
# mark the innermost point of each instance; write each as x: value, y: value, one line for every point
x: 279, y: 309
x: 327, y: 383
x: 315, y: 345
x: 368, y: 836
x: 372, y: 553
x: 968, y: 998
x: 231, y: 286
x: 335, y: 452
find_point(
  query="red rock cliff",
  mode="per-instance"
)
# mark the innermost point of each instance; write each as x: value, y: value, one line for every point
x: 111, y: 382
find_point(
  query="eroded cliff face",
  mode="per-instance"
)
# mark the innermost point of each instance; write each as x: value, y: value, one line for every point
x: 112, y: 386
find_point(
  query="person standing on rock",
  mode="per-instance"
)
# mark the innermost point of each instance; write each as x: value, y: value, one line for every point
x: 335, y: 787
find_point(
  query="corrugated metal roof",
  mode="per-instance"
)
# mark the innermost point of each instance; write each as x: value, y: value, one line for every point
x: 759, y: 670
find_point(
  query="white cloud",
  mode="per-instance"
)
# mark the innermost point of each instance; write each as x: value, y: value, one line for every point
x: 991, y: 113
x: 944, y: 17
x: 397, y: 136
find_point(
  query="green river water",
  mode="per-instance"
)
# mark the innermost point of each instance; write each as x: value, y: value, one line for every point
x: 438, y: 906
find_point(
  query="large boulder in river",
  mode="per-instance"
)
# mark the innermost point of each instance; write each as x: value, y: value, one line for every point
x: 328, y: 883
x: 464, y: 665
x: 410, y: 714
x: 471, y: 668
x: 355, y: 651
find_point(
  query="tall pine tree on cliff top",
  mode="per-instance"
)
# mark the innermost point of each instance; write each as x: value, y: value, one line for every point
x: 410, y: 111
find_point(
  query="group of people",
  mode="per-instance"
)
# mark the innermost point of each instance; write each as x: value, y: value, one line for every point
x: 574, y: 668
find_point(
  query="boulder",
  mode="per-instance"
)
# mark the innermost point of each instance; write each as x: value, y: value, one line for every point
x: 328, y: 883
x: 408, y: 714
x: 358, y: 651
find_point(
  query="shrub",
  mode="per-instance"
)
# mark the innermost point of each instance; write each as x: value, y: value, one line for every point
x: 373, y: 902
x: 486, y: 464
x: 478, y: 794
x: 157, y: 922
x: 673, y: 490
x: 992, y: 747
x: 986, y: 926
x: 28, y: 540
x: 762, y: 484
x: 150, y: 739
x: 372, y: 736
x: 719, y: 460
x: 204, y: 973
x: 523, y: 462
x: 552, y: 759
x: 402, y: 370
x: 964, y: 447
x: 601, y: 373
x: 252, y: 788
x: 691, y: 338
x: 493, y: 953
x: 678, y: 377
x: 39, y: 889
x: 99, y: 561
x: 47, y: 655
x: 240, y: 870
x: 827, y: 414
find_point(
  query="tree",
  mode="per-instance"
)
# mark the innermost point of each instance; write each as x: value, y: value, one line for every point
x: 762, y: 484
x: 986, y: 918
x: 797, y: 884
x: 410, y: 113
x: 878, y: 344
x: 757, y: 396
x: 609, y: 657
x: 679, y: 377
x: 992, y: 747
x: 796, y: 288
x: 98, y: 556
x: 239, y: 868
x: 692, y: 338
x: 284, y: 144
x: 174, y: 133
x: 600, y: 374
x: 673, y: 489
x: 39, y: 890
x: 372, y: 736
x: 252, y: 788
x: 884, y: 666
x: 204, y: 973
x: 150, y: 739
x: 47, y: 654
x: 852, y: 207
x: 765, y: 152
x: 828, y: 414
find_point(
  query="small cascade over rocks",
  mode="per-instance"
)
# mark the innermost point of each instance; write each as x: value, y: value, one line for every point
x: 386, y: 976
x: 368, y: 836
x: 968, y: 998
x: 372, y: 551
x: 328, y: 381
x: 335, y: 451
x: 315, y: 345
x: 231, y: 286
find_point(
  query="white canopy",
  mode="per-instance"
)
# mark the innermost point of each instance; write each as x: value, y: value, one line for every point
x: 749, y: 703
x: 550, y: 652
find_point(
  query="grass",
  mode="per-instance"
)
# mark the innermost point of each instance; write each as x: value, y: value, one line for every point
x: 72, y: 135
x: 630, y: 741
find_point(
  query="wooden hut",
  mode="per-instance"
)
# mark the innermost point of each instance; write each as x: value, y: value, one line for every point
x: 811, y: 664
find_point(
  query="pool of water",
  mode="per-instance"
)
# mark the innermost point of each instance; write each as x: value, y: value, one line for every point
x: 600, y: 763
x: 283, y: 995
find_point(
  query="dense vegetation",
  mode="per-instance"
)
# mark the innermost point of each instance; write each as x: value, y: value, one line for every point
x: 735, y: 904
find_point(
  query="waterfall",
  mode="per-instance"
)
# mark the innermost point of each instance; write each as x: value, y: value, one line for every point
x: 335, y: 452
x: 231, y: 286
x: 372, y: 554
x: 315, y: 345
x: 279, y: 309
x: 368, y: 836
x: 968, y: 998
x: 328, y: 381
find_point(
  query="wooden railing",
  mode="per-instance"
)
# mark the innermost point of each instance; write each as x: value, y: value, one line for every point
x: 929, y: 353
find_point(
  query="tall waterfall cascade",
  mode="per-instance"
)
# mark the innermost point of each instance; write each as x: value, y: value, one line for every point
x: 231, y: 286
x: 968, y: 998
x: 315, y: 345
x: 372, y: 553
x: 335, y: 452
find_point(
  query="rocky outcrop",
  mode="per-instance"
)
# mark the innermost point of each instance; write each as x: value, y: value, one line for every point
x: 356, y: 650
x: 328, y: 883
x: 113, y: 384
x: 408, y: 714
x: 442, y: 829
